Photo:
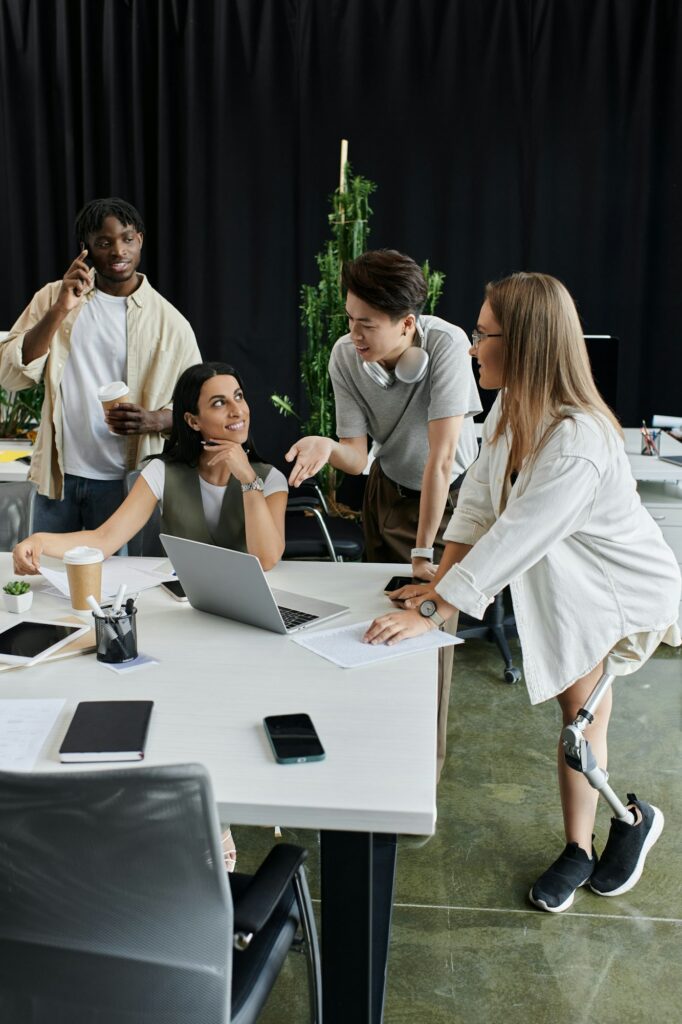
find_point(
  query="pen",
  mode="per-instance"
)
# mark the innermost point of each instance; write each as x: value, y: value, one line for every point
x: 648, y: 440
x: 90, y: 600
x: 108, y: 631
x: 118, y: 600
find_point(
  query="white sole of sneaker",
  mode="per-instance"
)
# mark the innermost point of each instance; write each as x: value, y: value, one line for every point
x: 654, y: 833
x: 562, y: 906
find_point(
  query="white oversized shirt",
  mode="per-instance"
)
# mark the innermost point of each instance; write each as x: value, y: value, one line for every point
x: 586, y: 563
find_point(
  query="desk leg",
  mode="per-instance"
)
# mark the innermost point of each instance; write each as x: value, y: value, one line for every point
x: 358, y: 875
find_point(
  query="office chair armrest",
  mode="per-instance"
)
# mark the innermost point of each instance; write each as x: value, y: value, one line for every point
x: 254, y: 906
x: 303, y: 502
x: 310, y: 489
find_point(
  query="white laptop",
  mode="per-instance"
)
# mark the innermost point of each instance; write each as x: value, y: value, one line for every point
x: 232, y: 584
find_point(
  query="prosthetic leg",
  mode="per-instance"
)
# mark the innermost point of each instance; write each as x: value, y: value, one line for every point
x: 578, y: 753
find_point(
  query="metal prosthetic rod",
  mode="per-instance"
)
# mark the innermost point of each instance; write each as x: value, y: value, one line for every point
x: 578, y: 753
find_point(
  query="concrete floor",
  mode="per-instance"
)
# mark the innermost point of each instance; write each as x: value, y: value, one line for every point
x: 466, y: 944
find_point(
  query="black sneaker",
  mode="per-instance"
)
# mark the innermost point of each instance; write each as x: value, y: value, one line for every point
x: 623, y: 858
x: 555, y: 889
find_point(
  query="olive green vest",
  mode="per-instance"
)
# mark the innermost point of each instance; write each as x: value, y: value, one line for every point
x: 183, y: 509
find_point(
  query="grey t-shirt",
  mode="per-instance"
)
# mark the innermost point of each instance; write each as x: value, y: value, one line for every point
x: 397, y: 418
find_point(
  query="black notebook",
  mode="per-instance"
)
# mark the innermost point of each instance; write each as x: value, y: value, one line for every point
x: 107, y: 730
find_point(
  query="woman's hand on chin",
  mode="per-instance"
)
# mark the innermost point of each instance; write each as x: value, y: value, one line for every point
x: 231, y: 454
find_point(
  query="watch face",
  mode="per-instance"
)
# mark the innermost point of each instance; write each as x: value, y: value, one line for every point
x: 427, y: 608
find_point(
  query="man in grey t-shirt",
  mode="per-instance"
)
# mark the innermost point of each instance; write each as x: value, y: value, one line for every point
x: 406, y: 381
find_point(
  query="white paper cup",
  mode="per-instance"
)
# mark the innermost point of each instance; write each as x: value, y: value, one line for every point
x: 84, y: 573
x: 112, y: 393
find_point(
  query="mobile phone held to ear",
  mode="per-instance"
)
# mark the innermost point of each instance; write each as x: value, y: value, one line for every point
x: 174, y: 588
x: 396, y: 582
x: 293, y: 739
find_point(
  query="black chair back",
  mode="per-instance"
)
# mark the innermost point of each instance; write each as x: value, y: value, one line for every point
x: 114, y: 903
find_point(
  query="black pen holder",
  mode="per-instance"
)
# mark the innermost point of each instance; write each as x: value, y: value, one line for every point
x: 116, y: 637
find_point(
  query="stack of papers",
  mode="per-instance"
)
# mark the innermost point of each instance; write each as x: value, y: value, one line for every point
x: 24, y: 727
x: 137, y: 573
x: 343, y: 645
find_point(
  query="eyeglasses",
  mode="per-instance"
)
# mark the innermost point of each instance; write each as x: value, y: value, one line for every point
x: 477, y: 337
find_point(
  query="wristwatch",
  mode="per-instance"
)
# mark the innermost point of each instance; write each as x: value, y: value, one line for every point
x: 255, y: 485
x: 429, y: 610
x: 422, y: 553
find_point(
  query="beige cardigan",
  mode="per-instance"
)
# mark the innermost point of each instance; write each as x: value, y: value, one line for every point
x: 161, y: 344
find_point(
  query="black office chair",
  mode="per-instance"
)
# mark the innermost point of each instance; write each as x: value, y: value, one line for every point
x: 495, y: 625
x: 17, y: 498
x: 115, y: 905
x: 311, y: 532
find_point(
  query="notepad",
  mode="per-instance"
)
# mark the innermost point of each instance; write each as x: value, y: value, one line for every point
x: 107, y: 730
x: 343, y: 645
x: 24, y: 727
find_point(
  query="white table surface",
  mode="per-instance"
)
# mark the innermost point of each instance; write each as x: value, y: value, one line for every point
x: 217, y: 680
x: 14, y: 470
x: 647, y: 467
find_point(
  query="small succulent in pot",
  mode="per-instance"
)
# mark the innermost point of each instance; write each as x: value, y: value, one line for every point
x: 17, y: 587
x: 17, y: 596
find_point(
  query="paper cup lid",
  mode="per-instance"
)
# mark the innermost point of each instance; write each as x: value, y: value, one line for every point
x: 83, y: 556
x: 117, y: 389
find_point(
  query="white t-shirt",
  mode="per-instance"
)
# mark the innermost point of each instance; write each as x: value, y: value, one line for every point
x: 98, y: 355
x: 211, y: 496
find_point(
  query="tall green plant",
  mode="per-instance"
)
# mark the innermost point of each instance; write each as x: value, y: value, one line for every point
x: 323, y: 308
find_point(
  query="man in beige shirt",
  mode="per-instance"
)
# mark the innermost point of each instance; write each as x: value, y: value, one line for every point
x: 102, y: 322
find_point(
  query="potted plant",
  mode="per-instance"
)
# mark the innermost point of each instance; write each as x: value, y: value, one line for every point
x: 323, y: 310
x: 17, y: 596
x: 20, y: 412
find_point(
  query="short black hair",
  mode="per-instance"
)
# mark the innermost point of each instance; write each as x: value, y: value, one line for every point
x: 386, y: 280
x: 93, y: 214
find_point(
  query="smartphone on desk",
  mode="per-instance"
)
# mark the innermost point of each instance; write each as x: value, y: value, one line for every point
x: 396, y: 582
x: 174, y: 588
x: 293, y: 739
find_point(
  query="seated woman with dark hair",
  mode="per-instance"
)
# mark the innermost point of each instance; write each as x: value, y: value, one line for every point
x: 212, y: 486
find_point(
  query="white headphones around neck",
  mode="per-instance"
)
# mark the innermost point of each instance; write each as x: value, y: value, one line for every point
x: 410, y: 368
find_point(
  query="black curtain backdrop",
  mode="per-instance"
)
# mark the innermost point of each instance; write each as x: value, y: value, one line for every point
x: 502, y: 135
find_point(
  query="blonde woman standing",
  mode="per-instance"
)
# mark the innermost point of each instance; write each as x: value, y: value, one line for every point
x: 551, y: 509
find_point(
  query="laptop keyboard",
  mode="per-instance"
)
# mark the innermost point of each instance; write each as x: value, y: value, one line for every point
x: 292, y: 617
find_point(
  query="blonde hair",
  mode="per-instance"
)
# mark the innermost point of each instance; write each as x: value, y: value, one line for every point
x: 546, y: 371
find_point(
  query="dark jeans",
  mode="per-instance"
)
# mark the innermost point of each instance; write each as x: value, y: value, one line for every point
x: 85, y: 506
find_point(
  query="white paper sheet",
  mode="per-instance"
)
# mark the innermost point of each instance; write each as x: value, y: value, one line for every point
x: 343, y: 645
x: 137, y: 573
x: 24, y: 727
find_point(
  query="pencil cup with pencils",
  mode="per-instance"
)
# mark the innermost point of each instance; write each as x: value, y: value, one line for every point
x: 116, y: 636
x: 651, y: 440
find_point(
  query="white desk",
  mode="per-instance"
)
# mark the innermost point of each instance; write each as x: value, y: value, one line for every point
x: 10, y: 471
x: 647, y: 467
x: 215, y: 683
x: 660, y: 488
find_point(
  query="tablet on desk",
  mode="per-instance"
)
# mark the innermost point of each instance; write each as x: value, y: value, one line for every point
x: 33, y: 639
